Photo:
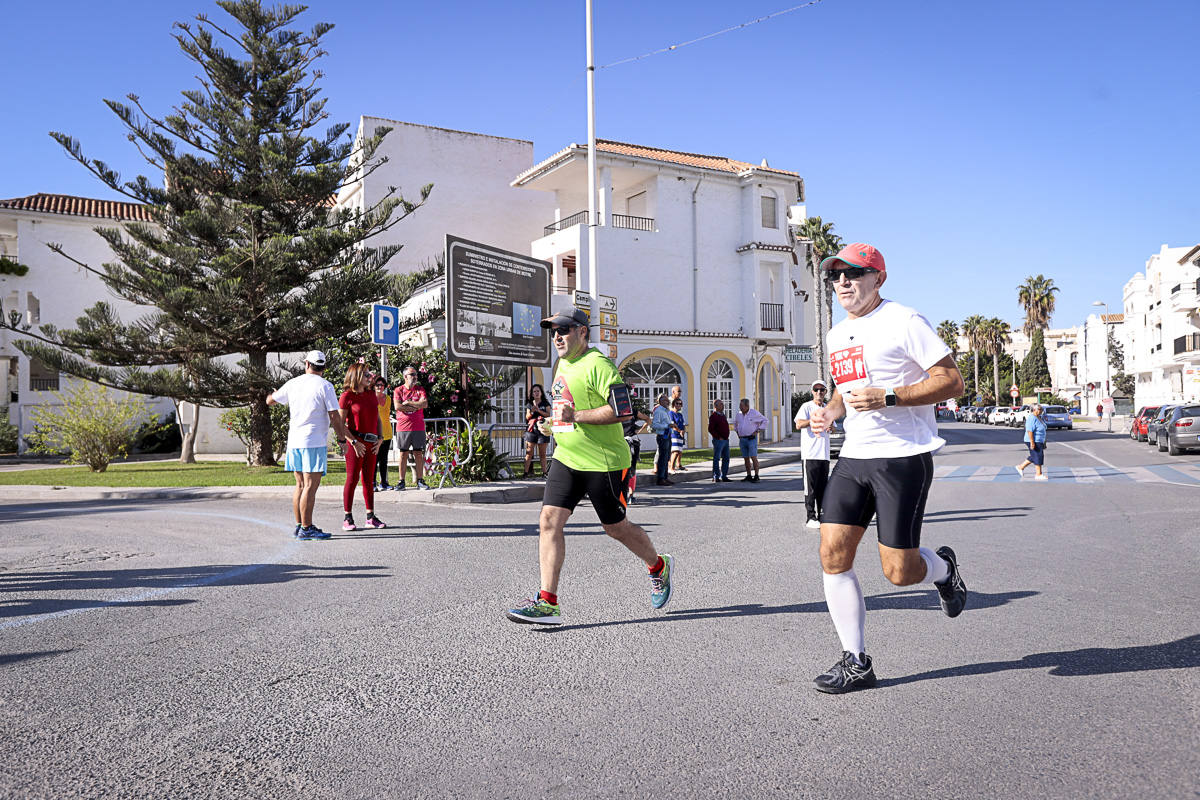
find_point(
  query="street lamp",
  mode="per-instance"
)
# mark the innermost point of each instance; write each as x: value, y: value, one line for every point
x: 1107, y: 361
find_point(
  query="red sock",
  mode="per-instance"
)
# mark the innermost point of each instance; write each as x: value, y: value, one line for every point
x: 549, y: 597
x: 658, y: 567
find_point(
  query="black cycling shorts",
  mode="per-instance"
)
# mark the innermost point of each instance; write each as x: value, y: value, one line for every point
x: 565, y: 487
x: 895, y: 489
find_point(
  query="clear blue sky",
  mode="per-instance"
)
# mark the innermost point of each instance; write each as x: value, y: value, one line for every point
x: 973, y: 142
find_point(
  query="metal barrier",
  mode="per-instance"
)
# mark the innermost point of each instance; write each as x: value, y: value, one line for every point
x: 508, y: 439
x: 437, y: 431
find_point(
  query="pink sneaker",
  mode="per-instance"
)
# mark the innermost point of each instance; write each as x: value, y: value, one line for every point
x: 348, y: 525
x: 375, y: 522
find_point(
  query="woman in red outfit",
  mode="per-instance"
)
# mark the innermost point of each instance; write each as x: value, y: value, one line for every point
x: 359, y: 408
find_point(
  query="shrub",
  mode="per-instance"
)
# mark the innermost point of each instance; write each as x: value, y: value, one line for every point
x: 8, y: 433
x: 237, y: 422
x: 159, y: 437
x: 485, y: 464
x: 92, y: 426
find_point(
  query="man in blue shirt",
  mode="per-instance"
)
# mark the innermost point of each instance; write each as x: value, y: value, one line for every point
x: 661, y: 424
x: 1035, y: 438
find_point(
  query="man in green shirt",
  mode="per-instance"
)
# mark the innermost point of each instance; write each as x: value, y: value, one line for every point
x: 591, y: 459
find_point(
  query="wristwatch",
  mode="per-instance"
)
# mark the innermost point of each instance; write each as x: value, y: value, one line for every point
x: 889, y: 397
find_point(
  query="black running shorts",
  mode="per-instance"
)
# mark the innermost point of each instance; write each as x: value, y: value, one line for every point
x: 895, y: 489
x: 565, y: 487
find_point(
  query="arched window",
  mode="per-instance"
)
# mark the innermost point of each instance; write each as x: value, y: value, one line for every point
x: 720, y: 379
x: 651, y: 377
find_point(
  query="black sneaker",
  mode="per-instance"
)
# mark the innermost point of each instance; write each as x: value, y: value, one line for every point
x: 847, y: 675
x: 952, y: 592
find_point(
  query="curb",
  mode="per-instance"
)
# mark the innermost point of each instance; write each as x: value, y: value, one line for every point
x: 481, y: 494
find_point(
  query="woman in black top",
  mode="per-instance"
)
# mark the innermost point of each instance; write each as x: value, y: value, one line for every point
x: 536, y: 409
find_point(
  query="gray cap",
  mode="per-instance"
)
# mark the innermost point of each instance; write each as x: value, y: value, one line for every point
x: 568, y: 316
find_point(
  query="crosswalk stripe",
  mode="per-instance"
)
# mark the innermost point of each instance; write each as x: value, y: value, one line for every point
x: 1183, y: 473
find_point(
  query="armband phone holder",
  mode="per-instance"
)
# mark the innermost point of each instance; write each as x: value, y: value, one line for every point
x: 621, y: 402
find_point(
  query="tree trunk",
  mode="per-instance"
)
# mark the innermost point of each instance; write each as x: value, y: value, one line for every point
x: 819, y: 300
x: 978, y: 388
x: 996, y: 375
x: 261, y: 451
x: 187, y: 453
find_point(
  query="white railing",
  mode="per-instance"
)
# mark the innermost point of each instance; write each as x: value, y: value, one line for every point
x: 437, y: 431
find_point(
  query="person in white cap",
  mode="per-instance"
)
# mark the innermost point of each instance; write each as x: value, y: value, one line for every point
x: 891, y: 369
x: 313, y: 405
x: 814, y: 448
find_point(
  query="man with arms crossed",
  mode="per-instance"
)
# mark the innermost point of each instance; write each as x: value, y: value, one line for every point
x: 590, y: 459
x: 891, y: 369
x: 814, y: 447
x: 409, y: 406
x: 313, y: 407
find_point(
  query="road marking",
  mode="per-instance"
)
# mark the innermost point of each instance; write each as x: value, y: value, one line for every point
x: 275, y: 558
x: 1088, y: 454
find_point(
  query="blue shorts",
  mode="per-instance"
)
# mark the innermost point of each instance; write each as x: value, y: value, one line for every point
x: 307, y: 459
x: 749, y: 446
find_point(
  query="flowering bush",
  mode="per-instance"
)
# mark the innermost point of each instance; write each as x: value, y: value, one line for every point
x: 452, y: 448
x: 93, y: 426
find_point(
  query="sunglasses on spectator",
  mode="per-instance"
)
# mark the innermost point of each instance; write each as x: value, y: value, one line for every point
x: 563, y: 330
x: 851, y: 273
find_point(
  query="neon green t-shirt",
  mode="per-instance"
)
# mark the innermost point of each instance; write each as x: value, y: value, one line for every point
x: 584, y: 384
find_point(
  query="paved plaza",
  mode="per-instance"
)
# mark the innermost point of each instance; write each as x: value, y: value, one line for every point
x: 189, y: 648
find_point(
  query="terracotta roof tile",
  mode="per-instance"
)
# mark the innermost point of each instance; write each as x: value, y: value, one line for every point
x: 78, y: 207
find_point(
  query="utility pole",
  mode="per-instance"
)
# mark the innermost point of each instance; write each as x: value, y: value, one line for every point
x: 1107, y: 362
x: 593, y: 272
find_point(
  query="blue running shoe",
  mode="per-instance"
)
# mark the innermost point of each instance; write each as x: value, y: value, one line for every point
x: 660, y: 584
x: 316, y: 533
x: 536, y: 612
x: 301, y: 532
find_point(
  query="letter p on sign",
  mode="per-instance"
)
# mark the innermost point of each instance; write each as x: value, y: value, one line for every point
x: 385, y: 327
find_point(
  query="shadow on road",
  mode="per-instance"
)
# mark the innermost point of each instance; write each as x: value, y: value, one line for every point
x: 13, y: 658
x: 908, y: 600
x: 1179, y: 654
x: 47, y: 509
x: 976, y: 514
x: 151, y: 579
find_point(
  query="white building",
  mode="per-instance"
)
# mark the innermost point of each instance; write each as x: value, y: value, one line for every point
x: 55, y: 291
x: 1162, y: 307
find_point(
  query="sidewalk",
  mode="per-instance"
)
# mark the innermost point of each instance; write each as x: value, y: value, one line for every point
x: 519, y: 491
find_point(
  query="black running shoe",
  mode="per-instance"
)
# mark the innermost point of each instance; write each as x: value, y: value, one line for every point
x: 847, y: 675
x: 952, y: 591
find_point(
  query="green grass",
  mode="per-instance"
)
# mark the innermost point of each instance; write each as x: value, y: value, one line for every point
x: 172, y: 474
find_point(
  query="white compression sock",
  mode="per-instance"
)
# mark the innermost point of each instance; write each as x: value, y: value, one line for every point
x: 936, y: 568
x: 844, y: 598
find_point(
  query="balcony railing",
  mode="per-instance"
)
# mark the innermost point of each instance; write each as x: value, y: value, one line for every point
x: 633, y: 223
x: 44, y: 384
x: 578, y: 218
x: 1187, y: 344
x: 771, y: 315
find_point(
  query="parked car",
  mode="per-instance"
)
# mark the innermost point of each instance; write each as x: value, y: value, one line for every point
x: 1153, y: 426
x: 943, y: 413
x: 837, y: 437
x: 1017, y: 418
x: 984, y: 414
x: 1181, y: 430
x: 1056, y: 417
x: 1000, y: 415
x: 1137, y: 428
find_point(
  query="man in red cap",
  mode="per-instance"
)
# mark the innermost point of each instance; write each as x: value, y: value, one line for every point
x: 891, y: 370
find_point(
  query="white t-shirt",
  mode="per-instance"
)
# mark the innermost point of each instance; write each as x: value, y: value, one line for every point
x: 310, y: 399
x: 892, y: 346
x: 812, y: 445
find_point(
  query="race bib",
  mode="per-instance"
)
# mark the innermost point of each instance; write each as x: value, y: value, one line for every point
x: 561, y: 399
x: 849, y: 369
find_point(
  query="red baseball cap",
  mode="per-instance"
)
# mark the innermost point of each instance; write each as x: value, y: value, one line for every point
x: 857, y: 254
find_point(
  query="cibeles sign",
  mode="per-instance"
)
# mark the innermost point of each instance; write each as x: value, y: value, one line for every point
x: 495, y: 303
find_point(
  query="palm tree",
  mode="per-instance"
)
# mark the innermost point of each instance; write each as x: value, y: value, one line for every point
x: 948, y: 332
x: 972, y: 328
x: 997, y: 334
x: 1036, y: 296
x: 823, y: 243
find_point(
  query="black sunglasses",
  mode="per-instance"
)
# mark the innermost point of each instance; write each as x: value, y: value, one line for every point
x: 562, y: 330
x: 852, y: 273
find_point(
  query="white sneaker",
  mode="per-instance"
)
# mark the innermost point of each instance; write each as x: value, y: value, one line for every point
x: 1041, y: 477
x: 813, y: 524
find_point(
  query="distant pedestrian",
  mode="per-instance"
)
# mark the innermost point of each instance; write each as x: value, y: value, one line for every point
x: 359, y: 408
x: 814, y: 447
x: 718, y: 430
x: 678, y: 436
x: 410, y: 404
x: 384, y: 397
x: 660, y: 422
x: 1035, y: 440
x: 313, y: 406
x: 747, y: 423
x: 1100, y: 411
x: 537, y: 409
x: 633, y: 428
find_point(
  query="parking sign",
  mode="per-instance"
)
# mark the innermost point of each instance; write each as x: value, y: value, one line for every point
x: 385, y: 325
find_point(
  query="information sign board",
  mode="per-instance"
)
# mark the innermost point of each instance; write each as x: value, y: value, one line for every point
x: 495, y: 302
x: 798, y: 352
x: 583, y: 301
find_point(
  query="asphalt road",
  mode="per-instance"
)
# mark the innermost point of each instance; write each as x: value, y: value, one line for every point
x: 192, y: 649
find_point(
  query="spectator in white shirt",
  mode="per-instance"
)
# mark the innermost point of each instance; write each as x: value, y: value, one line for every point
x: 747, y: 423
